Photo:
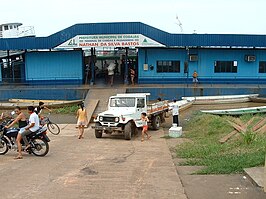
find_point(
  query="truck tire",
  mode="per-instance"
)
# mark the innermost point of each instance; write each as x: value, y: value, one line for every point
x: 98, y: 133
x: 156, y: 122
x: 162, y: 116
x: 128, y: 131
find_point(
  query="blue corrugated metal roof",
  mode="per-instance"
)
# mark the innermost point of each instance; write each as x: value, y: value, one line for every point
x: 170, y: 40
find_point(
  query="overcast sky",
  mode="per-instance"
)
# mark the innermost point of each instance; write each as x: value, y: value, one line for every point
x: 200, y: 16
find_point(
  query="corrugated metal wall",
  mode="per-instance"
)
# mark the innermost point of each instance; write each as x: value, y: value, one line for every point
x: 54, y: 66
x: 247, y: 72
x: 46, y: 93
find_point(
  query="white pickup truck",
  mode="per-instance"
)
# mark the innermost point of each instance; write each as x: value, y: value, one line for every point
x: 124, y: 112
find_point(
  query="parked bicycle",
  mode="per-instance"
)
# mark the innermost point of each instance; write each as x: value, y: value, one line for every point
x: 52, y: 127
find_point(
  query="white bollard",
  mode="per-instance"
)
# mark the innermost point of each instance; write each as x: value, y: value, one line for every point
x: 175, y: 131
x: 265, y: 175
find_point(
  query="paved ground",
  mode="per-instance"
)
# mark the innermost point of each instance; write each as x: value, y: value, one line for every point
x: 218, y: 186
x: 93, y: 168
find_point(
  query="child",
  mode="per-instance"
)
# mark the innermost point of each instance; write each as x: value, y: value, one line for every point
x: 195, y: 78
x: 82, y: 120
x: 38, y: 109
x: 145, y: 121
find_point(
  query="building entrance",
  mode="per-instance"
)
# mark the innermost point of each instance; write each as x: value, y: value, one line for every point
x: 111, y: 67
x: 13, y: 69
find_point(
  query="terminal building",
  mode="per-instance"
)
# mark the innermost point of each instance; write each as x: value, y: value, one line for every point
x: 78, y: 55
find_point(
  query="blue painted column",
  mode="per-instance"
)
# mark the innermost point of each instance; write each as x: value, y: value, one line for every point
x: 187, y: 60
x: 92, y: 67
x: 126, y: 68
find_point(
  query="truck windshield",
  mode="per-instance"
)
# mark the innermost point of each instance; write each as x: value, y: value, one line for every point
x: 122, y: 102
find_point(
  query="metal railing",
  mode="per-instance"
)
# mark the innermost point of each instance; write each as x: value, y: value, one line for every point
x: 204, y: 81
x: 235, y: 81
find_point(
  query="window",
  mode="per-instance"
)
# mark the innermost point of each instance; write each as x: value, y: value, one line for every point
x: 168, y: 66
x: 225, y: 67
x: 122, y: 102
x: 262, y: 67
x: 140, y: 103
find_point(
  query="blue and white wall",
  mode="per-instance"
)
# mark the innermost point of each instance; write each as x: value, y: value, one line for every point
x: 150, y: 56
x: 247, y: 72
x: 63, y: 66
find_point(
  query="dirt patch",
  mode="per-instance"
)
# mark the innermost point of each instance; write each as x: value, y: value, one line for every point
x: 88, y: 171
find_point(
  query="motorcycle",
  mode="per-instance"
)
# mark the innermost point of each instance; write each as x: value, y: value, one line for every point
x: 38, y: 140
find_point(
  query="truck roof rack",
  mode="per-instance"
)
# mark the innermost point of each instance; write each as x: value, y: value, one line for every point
x: 132, y: 94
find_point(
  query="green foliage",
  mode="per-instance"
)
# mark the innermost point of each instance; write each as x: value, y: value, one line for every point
x: 248, y: 137
x: 246, y: 117
x: 231, y: 157
x: 66, y: 110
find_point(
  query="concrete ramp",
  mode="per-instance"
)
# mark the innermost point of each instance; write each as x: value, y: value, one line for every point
x: 90, y: 107
x: 96, y: 100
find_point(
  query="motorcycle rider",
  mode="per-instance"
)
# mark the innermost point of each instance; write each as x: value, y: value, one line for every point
x: 33, y: 126
x: 20, y: 119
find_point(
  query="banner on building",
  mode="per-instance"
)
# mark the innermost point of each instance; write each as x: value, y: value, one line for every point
x: 114, y: 40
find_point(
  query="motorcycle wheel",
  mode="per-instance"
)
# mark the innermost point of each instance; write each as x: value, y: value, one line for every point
x: 53, y: 128
x: 40, y: 147
x: 3, y: 147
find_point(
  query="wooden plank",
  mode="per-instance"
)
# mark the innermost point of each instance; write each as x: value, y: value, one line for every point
x: 238, y: 130
x: 37, y: 101
x: 238, y: 121
x: 237, y: 127
x: 90, y: 107
x: 249, y: 122
x: 259, y: 124
x: 227, y: 137
x: 261, y: 130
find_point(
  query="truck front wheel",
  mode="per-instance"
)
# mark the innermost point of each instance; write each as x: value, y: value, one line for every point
x: 98, y: 133
x: 128, y: 131
x: 156, y: 122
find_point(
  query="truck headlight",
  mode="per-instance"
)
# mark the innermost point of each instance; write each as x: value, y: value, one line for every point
x: 101, y: 118
x: 117, y: 119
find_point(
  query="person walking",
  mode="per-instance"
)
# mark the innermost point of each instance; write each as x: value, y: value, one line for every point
x: 111, y: 73
x: 175, y: 112
x: 132, y: 75
x: 105, y: 71
x: 145, y: 121
x: 82, y: 120
x: 195, y: 78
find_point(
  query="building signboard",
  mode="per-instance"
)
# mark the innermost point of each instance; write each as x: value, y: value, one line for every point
x: 112, y: 40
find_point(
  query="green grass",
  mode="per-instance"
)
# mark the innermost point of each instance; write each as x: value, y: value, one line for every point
x: 205, y: 150
x: 167, y: 137
x: 66, y: 110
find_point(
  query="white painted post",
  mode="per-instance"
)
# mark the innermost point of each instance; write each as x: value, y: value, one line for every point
x: 265, y: 176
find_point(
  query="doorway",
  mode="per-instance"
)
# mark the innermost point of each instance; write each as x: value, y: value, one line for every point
x: 13, y: 69
x: 103, y: 58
